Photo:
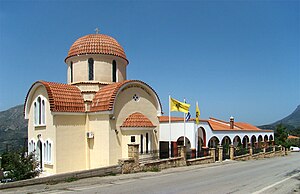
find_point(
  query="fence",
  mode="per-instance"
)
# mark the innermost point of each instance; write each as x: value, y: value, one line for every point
x: 202, y: 153
x: 269, y: 149
x: 241, y: 151
x: 257, y: 150
x: 277, y: 148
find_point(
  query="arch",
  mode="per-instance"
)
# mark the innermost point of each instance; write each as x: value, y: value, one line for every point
x: 213, y: 142
x: 180, y: 141
x: 201, y: 140
x: 266, y: 138
x: 108, y: 95
x: 271, y: 138
x: 259, y: 139
x: 226, y: 141
x: 253, y: 140
x: 245, y: 141
x: 237, y: 141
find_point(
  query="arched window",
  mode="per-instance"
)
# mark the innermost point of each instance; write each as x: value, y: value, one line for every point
x: 91, y: 69
x: 114, y: 71
x: 71, y: 72
x: 35, y: 114
x: 39, y: 111
x: 49, y: 153
x: 43, y: 112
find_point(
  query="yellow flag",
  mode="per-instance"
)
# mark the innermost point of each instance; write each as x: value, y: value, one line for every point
x: 197, y: 113
x: 179, y: 106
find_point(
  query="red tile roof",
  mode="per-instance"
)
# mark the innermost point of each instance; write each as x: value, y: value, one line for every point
x: 105, y: 97
x: 137, y: 120
x: 96, y: 44
x: 62, y: 97
x: 219, y: 125
x: 293, y: 137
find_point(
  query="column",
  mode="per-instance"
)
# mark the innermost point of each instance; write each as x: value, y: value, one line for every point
x: 220, y: 153
x: 250, y: 150
x: 213, y: 153
x: 133, y: 151
x: 231, y: 152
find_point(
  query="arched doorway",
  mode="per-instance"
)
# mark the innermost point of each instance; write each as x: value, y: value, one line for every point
x: 236, y: 141
x: 259, y: 139
x: 253, y: 141
x: 266, y: 140
x: 180, y: 142
x: 245, y: 141
x: 213, y: 142
x: 39, y: 154
x: 201, y: 140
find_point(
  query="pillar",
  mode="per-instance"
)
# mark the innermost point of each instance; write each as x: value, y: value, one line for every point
x: 250, y: 150
x: 133, y: 151
x: 175, y: 149
x: 193, y: 152
x: 220, y: 153
x: 231, y: 152
x: 213, y: 153
x: 182, y: 151
x: 274, y: 149
x: 264, y: 149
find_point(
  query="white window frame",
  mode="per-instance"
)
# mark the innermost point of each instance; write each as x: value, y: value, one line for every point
x: 39, y: 111
x: 48, y: 152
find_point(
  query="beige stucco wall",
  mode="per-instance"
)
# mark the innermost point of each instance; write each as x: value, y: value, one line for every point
x: 71, y: 142
x: 102, y: 68
x: 46, y: 132
x: 125, y: 106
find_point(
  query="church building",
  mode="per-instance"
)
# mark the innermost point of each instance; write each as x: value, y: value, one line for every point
x: 89, y: 121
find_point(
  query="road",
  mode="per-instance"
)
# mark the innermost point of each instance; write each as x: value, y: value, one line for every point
x: 275, y: 175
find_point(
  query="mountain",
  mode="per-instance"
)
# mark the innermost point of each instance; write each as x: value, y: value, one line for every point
x: 291, y: 122
x: 13, y: 128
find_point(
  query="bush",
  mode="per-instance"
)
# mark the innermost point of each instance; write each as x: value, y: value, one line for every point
x: 19, y: 166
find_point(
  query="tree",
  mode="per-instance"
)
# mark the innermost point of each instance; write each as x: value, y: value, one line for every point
x: 281, y: 135
x: 19, y: 166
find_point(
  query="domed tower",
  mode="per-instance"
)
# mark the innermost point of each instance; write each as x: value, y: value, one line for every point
x: 96, y: 58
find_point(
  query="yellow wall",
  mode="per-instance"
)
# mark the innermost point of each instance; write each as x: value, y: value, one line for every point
x: 102, y: 68
x: 125, y: 106
x: 71, y: 142
x: 46, y: 132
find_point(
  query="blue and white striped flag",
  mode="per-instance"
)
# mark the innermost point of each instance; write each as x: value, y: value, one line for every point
x: 188, y: 116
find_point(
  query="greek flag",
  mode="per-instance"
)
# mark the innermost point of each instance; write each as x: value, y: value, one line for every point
x: 187, y: 117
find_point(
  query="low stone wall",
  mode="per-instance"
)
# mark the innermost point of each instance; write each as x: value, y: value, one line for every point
x: 258, y: 155
x: 197, y: 161
x: 270, y: 154
x: 110, y: 170
x: 163, y: 164
x: 242, y: 157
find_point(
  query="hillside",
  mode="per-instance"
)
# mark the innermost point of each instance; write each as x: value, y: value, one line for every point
x: 291, y: 122
x: 13, y: 128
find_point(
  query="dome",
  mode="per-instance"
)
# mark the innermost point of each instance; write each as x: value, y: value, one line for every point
x: 96, y: 44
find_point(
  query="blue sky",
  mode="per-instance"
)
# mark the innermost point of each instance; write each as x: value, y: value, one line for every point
x: 237, y: 58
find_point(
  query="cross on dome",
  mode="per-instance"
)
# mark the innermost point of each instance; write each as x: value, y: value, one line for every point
x: 97, y: 30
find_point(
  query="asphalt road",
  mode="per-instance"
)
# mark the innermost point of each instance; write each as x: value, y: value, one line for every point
x: 275, y: 175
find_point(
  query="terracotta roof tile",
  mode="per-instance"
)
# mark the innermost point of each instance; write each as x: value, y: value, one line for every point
x: 137, y: 120
x: 96, y: 44
x: 105, y: 97
x: 293, y: 137
x: 62, y: 97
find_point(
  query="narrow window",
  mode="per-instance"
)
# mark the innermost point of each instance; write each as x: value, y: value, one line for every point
x: 45, y: 152
x: 29, y: 148
x: 147, y: 143
x: 142, y: 139
x: 35, y: 114
x: 49, y: 152
x: 71, y: 71
x: 114, y: 71
x: 132, y: 139
x: 39, y: 104
x: 43, y: 111
x: 91, y: 69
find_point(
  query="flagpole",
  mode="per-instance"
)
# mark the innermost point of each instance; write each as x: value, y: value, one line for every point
x: 184, y: 125
x: 170, y: 126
